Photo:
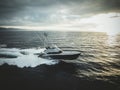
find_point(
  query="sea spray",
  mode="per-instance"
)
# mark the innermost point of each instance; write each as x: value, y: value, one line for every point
x: 25, y: 57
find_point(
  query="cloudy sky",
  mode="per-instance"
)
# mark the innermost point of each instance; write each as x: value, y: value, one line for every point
x: 79, y: 15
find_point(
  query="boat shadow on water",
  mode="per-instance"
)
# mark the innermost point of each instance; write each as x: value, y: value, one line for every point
x: 61, y: 76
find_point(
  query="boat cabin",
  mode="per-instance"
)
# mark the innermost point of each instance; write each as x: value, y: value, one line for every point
x: 53, y: 50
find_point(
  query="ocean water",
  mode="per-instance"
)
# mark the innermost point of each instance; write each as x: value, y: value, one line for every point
x: 98, y: 66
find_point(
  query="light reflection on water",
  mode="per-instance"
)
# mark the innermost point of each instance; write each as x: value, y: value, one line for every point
x: 103, y: 59
x: 100, y: 53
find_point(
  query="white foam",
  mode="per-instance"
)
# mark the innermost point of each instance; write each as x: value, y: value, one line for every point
x: 27, y: 60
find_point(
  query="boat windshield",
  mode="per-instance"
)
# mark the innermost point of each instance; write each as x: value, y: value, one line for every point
x: 53, y: 50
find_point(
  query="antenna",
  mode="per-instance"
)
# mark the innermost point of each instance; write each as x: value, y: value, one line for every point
x: 45, y: 39
x: 45, y: 34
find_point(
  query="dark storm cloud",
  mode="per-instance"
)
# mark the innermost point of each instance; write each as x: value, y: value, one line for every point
x: 17, y: 11
x: 11, y: 6
x: 96, y: 6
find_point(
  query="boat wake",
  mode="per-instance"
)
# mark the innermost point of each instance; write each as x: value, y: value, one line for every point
x: 23, y: 57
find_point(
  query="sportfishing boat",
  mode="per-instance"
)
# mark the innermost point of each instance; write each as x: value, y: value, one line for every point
x: 54, y: 52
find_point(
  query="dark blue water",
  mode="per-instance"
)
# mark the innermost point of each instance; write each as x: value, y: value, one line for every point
x: 98, y: 66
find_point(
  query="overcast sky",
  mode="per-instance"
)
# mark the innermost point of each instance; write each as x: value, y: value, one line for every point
x: 60, y: 14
